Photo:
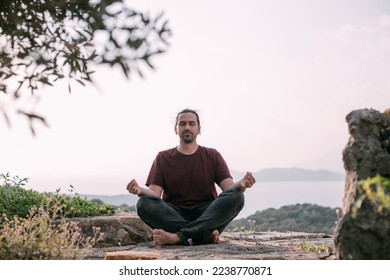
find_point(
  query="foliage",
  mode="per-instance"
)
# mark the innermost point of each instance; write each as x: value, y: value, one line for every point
x: 76, y: 206
x: 44, y: 41
x: 376, y: 190
x: 42, y: 235
x: 306, y: 247
x: 17, y: 201
x: 299, y: 217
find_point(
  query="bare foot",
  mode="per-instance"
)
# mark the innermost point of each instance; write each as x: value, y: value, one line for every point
x: 163, y: 238
x: 211, y: 237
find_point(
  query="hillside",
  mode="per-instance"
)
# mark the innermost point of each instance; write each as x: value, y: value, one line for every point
x: 115, y: 200
x: 299, y: 217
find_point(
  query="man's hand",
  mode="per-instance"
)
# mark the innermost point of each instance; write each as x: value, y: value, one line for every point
x: 134, y: 188
x: 247, y: 181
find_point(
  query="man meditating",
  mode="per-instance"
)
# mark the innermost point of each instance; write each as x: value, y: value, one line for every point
x: 181, y: 204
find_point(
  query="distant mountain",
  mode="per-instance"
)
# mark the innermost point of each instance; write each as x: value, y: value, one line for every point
x: 116, y: 200
x: 293, y: 174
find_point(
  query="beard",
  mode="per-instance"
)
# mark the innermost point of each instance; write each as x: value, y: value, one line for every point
x: 187, y: 137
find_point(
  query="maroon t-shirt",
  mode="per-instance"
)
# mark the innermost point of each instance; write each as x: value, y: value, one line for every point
x: 188, y: 180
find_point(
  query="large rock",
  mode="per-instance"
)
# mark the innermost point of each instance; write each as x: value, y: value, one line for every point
x: 364, y: 237
x: 121, y: 229
x: 367, y: 154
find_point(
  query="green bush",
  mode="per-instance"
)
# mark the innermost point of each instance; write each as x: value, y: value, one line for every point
x: 76, y: 206
x: 17, y: 201
x: 33, y: 224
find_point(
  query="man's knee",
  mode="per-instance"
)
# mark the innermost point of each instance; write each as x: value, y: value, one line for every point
x: 236, y: 193
x: 239, y: 196
x: 236, y: 196
x: 140, y: 204
x: 145, y: 203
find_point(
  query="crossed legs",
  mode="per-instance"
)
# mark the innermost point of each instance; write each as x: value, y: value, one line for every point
x: 172, y: 225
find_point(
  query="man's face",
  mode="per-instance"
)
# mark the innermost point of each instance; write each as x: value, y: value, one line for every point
x: 187, y: 127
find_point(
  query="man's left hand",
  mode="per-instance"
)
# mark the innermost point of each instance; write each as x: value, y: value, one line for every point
x: 247, y: 181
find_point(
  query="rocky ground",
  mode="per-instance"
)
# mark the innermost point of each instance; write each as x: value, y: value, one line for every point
x: 245, y: 245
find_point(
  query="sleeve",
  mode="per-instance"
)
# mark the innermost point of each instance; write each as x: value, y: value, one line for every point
x: 155, y: 175
x: 222, y: 171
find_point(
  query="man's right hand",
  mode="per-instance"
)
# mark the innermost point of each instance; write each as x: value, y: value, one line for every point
x: 134, y: 188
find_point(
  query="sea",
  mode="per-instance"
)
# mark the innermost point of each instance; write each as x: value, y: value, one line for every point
x: 265, y: 195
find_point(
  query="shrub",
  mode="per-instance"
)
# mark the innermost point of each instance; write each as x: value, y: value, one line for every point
x: 77, y: 206
x: 43, y: 235
x: 14, y: 199
x: 17, y: 201
x: 33, y: 224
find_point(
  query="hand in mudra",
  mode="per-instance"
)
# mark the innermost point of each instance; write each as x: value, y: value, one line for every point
x: 247, y: 181
x: 133, y: 187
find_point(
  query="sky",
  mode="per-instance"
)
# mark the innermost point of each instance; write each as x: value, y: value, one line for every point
x: 272, y: 81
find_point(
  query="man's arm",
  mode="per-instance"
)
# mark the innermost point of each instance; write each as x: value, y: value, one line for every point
x: 246, y: 182
x: 135, y: 189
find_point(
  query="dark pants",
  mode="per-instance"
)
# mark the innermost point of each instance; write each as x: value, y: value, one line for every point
x: 191, y: 225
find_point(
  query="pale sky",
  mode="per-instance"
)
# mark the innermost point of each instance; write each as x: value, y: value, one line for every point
x: 272, y: 80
